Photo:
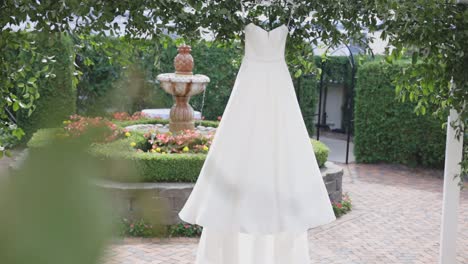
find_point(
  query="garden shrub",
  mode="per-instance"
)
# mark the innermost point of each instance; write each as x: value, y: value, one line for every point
x: 57, y: 94
x: 321, y: 151
x: 387, y: 130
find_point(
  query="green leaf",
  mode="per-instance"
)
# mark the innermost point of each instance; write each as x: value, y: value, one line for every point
x: 389, y: 59
x: 32, y: 80
x: 18, y: 133
x: 16, y: 106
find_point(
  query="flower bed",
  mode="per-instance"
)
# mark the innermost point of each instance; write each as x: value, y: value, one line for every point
x: 343, y: 207
x: 141, y: 228
x: 103, y: 130
x: 167, y: 143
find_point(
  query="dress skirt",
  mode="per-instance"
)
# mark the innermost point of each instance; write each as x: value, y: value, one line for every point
x: 260, y: 188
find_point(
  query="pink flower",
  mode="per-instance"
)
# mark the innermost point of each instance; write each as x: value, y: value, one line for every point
x: 219, y: 118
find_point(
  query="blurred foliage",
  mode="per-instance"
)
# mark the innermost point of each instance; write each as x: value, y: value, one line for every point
x: 388, y: 130
x: 55, y: 216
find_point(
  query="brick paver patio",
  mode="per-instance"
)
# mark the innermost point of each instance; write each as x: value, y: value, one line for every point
x: 396, y: 219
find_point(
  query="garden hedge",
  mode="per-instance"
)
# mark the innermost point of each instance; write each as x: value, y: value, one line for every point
x: 124, y: 163
x: 387, y: 130
x: 57, y: 94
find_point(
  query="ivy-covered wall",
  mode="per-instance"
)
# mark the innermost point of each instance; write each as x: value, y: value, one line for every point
x: 57, y: 99
x: 389, y: 131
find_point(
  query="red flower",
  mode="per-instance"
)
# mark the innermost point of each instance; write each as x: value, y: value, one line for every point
x: 219, y: 118
x: 339, y: 205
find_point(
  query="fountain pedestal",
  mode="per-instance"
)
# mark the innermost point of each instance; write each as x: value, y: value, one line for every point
x: 182, y: 85
x: 181, y: 114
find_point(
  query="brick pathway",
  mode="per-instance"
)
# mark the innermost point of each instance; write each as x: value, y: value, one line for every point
x: 396, y: 219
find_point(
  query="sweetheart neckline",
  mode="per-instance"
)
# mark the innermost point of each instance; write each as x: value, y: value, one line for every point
x: 267, y: 31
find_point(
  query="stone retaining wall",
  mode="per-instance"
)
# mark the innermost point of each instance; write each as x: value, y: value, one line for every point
x: 149, y: 200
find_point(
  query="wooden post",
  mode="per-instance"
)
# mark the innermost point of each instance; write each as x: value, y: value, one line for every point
x: 453, y: 157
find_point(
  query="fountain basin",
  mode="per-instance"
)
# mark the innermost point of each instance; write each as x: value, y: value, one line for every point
x: 165, y: 113
x: 183, y: 85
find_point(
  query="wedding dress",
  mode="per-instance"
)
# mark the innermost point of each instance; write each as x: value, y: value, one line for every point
x: 260, y: 188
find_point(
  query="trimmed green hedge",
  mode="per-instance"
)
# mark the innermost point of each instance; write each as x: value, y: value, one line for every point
x: 57, y: 94
x: 147, y: 167
x: 387, y: 130
x: 123, y: 163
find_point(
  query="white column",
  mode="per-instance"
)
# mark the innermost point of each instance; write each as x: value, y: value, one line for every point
x: 453, y: 157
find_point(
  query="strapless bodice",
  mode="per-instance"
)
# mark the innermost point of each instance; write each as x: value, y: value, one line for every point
x: 263, y: 45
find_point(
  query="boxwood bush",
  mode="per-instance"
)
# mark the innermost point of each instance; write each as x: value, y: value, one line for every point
x: 321, y: 152
x: 387, y: 130
x: 124, y: 163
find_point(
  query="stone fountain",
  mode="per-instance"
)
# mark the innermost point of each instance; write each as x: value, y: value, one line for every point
x: 182, y: 85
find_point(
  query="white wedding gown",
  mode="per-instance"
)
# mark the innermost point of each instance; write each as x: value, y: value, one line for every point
x: 260, y: 188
